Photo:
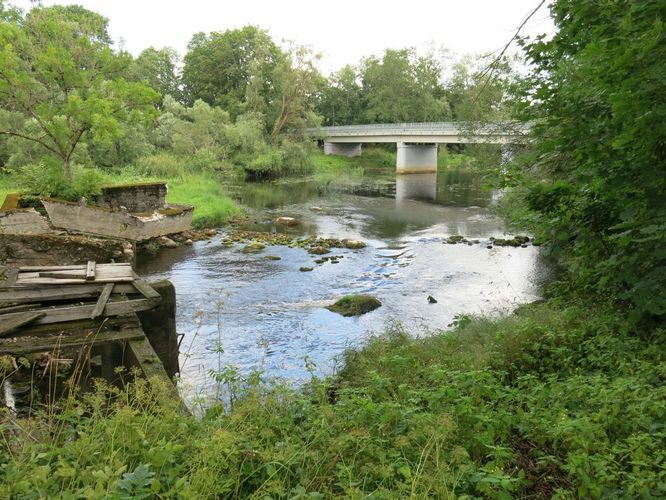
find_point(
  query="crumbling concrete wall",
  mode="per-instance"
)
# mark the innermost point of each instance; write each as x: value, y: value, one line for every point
x: 106, y: 222
x: 23, y: 221
x: 139, y: 198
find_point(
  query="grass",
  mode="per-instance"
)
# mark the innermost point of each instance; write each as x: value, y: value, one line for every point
x: 559, y: 400
x: 212, y: 206
x: 7, y: 185
x: 355, y: 305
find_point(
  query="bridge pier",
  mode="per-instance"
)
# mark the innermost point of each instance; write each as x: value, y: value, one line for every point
x: 349, y: 149
x: 416, y: 158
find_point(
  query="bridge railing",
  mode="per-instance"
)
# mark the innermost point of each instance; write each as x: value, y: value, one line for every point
x: 398, y: 128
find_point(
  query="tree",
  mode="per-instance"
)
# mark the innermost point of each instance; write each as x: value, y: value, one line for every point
x: 57, y: 69
x: 342, y: 101
x: 401, y: 87
x: 220, y: 67
x: 158, y: 69
x: 475, y: 95
x: 596, y: 97
x: 296, y: 81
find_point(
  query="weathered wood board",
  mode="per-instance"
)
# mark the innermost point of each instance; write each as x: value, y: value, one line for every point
x: 73, y: 313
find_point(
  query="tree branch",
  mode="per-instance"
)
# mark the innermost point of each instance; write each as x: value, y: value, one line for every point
x: 30, y: 138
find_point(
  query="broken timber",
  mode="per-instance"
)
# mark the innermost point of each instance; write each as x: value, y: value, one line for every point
x: 50, y: 309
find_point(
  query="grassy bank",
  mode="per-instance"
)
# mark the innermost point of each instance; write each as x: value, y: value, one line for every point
x: 203, y: 190
x: 555, y: 399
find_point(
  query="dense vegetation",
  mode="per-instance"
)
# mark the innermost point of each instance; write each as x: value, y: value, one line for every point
x: 75, y: 112
x: 563, y: 398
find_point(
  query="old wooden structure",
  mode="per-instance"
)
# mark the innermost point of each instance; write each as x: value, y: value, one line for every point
x: 81, y: 312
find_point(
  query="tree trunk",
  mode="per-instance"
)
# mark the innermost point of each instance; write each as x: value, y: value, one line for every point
x: 67, y: 168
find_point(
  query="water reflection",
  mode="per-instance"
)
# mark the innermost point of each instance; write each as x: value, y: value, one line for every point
x: 416, y: 187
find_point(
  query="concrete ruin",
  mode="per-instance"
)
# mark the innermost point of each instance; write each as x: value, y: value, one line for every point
x: 135, y: 212
x: 134, y: 198
x: 118, y: 224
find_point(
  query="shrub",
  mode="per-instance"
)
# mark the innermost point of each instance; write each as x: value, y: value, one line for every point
x: 161, y: 165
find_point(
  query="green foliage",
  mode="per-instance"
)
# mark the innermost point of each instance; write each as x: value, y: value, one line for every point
x: 555, y: 400
x: 596, y: 97
x: 273, y: 162
x: 402, y: 87
x: 58, y: 69
x: 223, y: 68
x: 48, y: 179
x: 213, y: 207
x: 158, y: 69
x: 161, y: 165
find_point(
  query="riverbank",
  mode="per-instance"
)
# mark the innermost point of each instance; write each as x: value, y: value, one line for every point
x: 213, y: 207
x: 555, y: 399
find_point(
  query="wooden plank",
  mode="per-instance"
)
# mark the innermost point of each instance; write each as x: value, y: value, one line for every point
x: 101, y: 302
x: 21, y: 295
x: 13, y: 321
x: 73, y: 313
x: 90, y: 270
x: 60, y: 274
x: 21, y: 307
x: 37, y: 281
x: 108, y: 323
x: 100, y: 273
x: 141, y: 354
x: 27, y: 345
x: 31, y: 269
x: 145, y: 289
x: 63, y: 268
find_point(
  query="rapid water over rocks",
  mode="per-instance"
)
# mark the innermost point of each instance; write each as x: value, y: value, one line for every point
x: 267, y: 315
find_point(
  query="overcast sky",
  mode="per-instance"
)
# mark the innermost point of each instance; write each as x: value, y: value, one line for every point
x: 343, y: 31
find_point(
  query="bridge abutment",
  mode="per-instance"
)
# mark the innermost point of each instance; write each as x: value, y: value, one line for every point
x: 416, y: 158
x: 350, y: 149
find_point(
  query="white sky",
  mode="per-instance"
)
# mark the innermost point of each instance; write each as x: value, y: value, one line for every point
x: 343, y: 31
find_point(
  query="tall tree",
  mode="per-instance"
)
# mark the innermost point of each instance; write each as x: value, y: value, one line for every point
x: 159, y: 70
x: 597, y: 100
x: 58, y: 70
x: 296, y: 81
x: 342, y: 101
x: 220, y: 67
x: 401, y: 87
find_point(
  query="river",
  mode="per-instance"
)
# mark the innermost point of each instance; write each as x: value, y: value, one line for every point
x: 252, y: 313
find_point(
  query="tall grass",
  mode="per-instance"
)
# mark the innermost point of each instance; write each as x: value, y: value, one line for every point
x: 212, y: 206
x: 7, y: 185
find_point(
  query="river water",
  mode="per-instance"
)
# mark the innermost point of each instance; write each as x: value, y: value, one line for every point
x: 267, y: 315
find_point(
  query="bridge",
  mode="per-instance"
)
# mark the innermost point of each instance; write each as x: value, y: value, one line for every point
x: 417, y: 143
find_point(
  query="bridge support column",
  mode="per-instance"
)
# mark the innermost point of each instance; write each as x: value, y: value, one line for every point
x: 348, y: 149
x: 416, y: 158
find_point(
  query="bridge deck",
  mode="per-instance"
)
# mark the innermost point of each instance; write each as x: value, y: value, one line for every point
x: 434, y: 132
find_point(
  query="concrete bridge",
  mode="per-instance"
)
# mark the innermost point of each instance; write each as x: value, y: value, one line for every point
x: 416, y: 142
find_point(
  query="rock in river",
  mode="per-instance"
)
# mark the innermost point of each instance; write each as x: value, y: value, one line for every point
x: 353, y: 244
x: 286, y: 221
x: 355, y: 305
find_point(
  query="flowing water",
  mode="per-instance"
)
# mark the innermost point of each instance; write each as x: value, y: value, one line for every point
x: 267, y: 315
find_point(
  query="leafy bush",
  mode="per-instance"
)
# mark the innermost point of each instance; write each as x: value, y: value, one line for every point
x: 265, y: 165
x: 48, y: 179
x: 596, y: 102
